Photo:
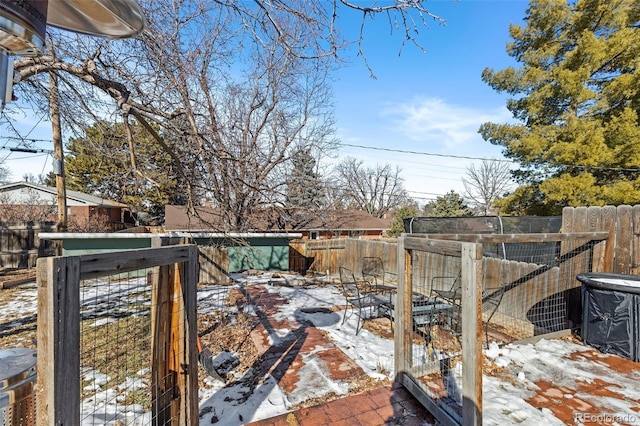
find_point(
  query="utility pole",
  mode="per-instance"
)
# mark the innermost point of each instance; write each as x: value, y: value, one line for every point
x: 58, y: 153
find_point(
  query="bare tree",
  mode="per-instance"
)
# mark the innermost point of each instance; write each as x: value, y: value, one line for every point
x: 30, y: 207
x: 228, y: 89
x: 374, y: 190
x: 485, y: 184
x: 4, y: 175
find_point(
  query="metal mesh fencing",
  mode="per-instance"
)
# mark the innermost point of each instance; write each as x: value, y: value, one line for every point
x: 483, y: 225
x: 117, y: 338
x: 115, y: 349
x: 517, y: 300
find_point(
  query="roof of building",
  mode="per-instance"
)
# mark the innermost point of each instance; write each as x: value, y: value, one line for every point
x: 76, y: 196
x: 177, y: 218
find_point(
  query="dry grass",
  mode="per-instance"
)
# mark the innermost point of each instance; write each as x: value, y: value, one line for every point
x: 18, y: 329
x: 121, y: 350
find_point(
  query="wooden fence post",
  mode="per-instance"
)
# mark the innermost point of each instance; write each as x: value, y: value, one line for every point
x: 174, y: 355
x: 402, y: 344
x: 58, y: 365
x: 472, y: 274
x: 162, y: 378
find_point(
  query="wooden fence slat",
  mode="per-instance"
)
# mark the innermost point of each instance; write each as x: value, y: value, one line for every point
x: 162, y: 380
x: 622, y: 263
x: 634, y: 268
x: 58, y: 342
x: 20, y: 246
x: 609, y: 225
x: 472, y: 359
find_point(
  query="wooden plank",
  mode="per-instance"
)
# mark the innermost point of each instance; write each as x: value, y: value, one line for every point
x: 608, y: 222
x: 58, y: 365
x: 622, y: 262
x: 162, y: 381
x: 444, y: 247
x: 103, y: 264
x: 472, y: 334
x: 402, y: 340
x: 516, y: 238
x: 44, y: 390
x: 177, y: 346
x: 29, y: 276
x: 190, y: 298
x: 549, y: 336
x: 635, y: 241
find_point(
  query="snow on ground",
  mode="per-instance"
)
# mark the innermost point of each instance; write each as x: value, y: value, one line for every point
x: 504, y: 398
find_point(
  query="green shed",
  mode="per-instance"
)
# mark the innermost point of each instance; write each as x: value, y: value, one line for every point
x: 220, y: 253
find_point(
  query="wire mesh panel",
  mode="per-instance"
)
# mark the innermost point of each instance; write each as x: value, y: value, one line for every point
x: 452, y: 293
x: 483, y: 225
x: 115, y: 348
x: 117, y: 338
x: 436, y: 327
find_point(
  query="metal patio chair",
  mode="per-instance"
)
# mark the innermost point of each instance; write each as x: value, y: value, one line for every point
x: 491, y: 299
x: 450, y: 293
x: 373, y: 272
x: 360, y: 297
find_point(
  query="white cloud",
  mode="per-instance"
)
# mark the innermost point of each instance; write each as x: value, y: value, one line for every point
x: 433, y: 120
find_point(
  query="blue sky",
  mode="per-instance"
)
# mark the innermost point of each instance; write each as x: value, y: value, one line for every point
x: 429, y: 102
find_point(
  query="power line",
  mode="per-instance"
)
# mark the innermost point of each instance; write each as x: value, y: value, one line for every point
x: 25, y: 139
x: 464, y: 157
x: 27, y: 150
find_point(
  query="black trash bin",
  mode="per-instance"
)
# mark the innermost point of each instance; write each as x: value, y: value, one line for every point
x: 610, y: 313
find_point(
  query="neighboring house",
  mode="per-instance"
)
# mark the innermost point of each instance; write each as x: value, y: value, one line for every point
x: 24, y: 201
x: 204, y: 219
x: 328, y: 224
x: 346, y: 223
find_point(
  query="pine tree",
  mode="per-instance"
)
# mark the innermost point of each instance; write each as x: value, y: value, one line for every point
x: 99, y: 163
x: 304, y: 185
x: 577, y: 97
x: 450, y: 204
x: 397, y: 223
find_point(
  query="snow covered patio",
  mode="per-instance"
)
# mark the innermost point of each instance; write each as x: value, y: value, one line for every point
x: 308, y: 359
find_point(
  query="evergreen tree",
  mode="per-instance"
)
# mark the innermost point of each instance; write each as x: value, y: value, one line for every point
x: 100, y: 163
x: 397, y: 223
x: 577, y: 97
x: 450, y: 204
x: 305, y: 189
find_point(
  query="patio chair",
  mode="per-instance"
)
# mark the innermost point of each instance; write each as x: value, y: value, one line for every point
x: 450, y: 292
x: 491, y: 299
x: 360, y: 297
x: 373, y: 272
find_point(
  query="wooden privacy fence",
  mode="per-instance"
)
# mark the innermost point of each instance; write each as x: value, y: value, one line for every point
x: 622, y: 223
x: 214, y: 264
x: 326, y: 256
x: 428, y: 356
x: 117, y: 338
x: 20, y: 246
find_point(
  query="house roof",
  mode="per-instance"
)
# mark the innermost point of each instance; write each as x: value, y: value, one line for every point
x: 79, y: 198
x: 352, y: 220
x: 177, y: 218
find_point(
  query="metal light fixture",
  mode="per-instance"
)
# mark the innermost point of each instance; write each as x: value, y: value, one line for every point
x: 23, y: 26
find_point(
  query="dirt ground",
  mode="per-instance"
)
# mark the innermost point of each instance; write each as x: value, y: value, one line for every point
x: 19, y: 330
x: 10, y: 276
